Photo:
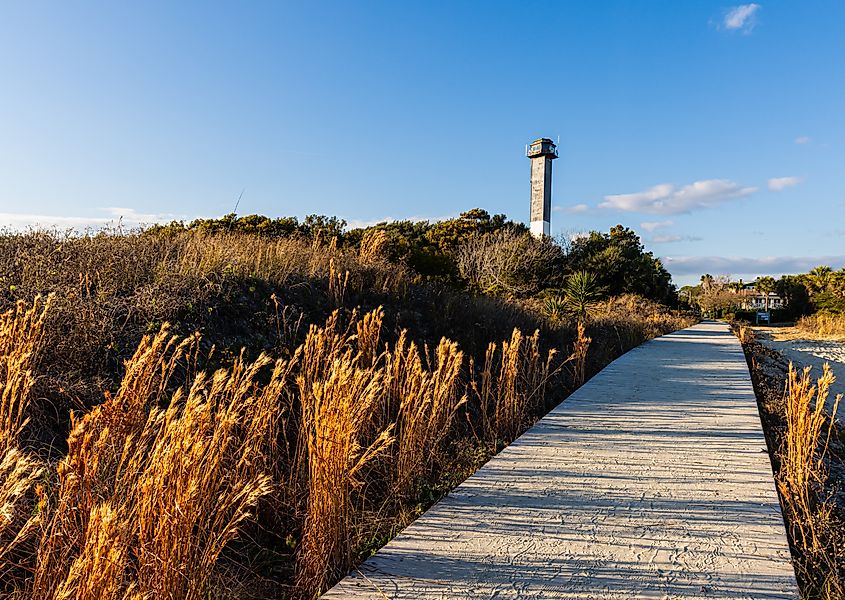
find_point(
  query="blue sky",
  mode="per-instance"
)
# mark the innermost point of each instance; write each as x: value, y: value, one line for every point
x: 714, y: 130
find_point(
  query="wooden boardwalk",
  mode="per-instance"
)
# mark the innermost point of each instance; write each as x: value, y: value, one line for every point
x: 650, y: 481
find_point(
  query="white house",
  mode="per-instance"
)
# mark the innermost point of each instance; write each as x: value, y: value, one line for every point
x: 754, y: 300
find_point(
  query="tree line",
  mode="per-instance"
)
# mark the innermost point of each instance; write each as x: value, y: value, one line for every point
x: 822, y: 289
x: 484, y: 253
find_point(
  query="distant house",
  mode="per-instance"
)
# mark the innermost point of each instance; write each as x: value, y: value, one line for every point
x: 754, y: 300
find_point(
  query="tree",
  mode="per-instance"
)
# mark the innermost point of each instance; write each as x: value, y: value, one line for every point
x: 838, y: 283
x: 449, y: 234
x: 323, y: 227
x: 689, y: 294
x: 736, y: 286
x: 622, y: 265
x: 820, y: 278
x: 765, y: 285
x: 717, y: 294
x: 795, y: 295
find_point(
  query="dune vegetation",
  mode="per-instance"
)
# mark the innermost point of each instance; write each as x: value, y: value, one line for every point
x: 807, y: 447
x: 247, y: 411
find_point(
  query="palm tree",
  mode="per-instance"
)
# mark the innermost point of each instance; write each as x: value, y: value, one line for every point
x: 765, y: 285
x: 820, y: 278
x: 838, y: 282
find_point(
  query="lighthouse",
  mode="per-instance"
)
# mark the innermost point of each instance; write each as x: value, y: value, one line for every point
x: 541, y: 152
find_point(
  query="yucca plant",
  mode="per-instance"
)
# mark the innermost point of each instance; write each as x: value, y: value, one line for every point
x: 582, y: 292
x: 555, y: 308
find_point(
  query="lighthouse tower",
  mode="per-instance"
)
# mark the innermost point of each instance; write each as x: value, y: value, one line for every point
x: 541, y: 152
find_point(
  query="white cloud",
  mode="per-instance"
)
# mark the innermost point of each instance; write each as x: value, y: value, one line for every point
x: 654, y: 225
x: 666, y: 239
x: 741, y: 17
x: 114, y: 216
x: 770, y: 265
x: 802, y: 139
x: 364, y: 223
x: 776, y: 184
x: 578, y: 208
x: 666, y: 199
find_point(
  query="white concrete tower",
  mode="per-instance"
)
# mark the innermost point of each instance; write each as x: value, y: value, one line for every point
x: 541, y: 152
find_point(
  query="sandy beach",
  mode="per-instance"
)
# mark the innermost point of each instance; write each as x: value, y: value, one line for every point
x: 797, y: 347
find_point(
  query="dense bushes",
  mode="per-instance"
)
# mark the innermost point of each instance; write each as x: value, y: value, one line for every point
x: 510, y: 263
x: 622, y: 265
x: 487, y: 254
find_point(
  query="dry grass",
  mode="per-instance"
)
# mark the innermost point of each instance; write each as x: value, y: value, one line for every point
x: 339, y: 400
x: 21, y: 337
x: 427, y: 397
x: 743, y: 332
x: 112, y: 288
x: 374, y: 246
x: 511, y: 387
x: 21, y: 334
x: 822, y: 325
x: 148, y: 493
x: 803, y: 474
x: 156, y: 484
x: 359, y: 406
x: 806, y: 443
x: 162, y: 476
x: 578, y: 358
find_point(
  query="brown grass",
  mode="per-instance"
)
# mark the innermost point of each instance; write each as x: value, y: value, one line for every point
x: 428, y: 397
x: 160, y: 477
x: 578, y: 358
x: 823, y: 325
x: 183, y: 470
x: 803, y: 474
x: 744, y: 332
x: 511, y: 387
x: 156, y: 484
x: 338, y: 403
x: 21, y: 336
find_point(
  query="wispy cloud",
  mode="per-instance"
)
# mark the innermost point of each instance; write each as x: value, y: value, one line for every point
x: 655, y: 225
x: 770, y: 265
x: 578, y: 208
x: 364, y: 223
x: 776, y: 184
x: 667, y: 199
x: 669, y: 238
x: 112, y: 216
x: 803, y: 139
x: 741, y: 18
